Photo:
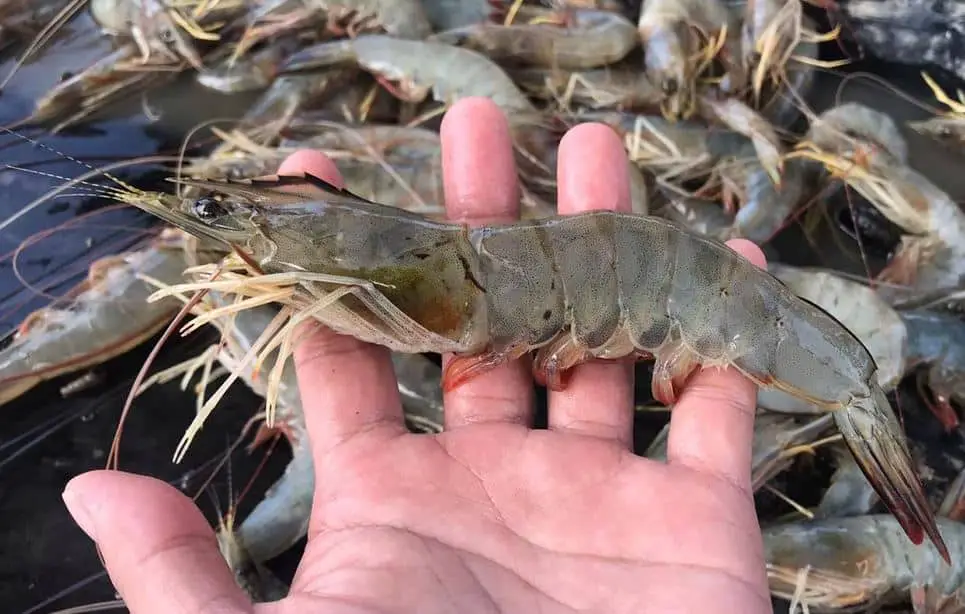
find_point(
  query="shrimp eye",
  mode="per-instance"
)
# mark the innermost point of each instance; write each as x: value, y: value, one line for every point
x: 208, y: 208
x: 669, y: 87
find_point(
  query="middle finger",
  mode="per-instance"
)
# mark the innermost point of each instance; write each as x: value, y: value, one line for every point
x: 593, y: 175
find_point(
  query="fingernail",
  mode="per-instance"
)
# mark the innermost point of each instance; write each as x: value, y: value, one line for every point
x: 75, y: 505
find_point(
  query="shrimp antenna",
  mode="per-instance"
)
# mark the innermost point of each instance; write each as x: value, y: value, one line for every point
x: 112, y: 457
x: 187, y: 139
x: 119, y: 182
x: 885, y: 85
x: 101, y: 190
x: 79, y: 180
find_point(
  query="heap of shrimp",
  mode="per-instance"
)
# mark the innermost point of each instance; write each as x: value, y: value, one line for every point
x: 671, y: 32
x: 862, y: 563
x: 865, y: 149
x: 492, y: 294
x: 771, y: 32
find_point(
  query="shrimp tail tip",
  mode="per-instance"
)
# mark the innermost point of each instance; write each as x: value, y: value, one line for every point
x: 876, y: 442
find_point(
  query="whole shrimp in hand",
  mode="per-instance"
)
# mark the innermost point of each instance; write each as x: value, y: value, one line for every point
x: 489, y: 515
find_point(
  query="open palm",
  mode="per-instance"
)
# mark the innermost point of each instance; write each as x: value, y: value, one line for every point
x: 490, y: 515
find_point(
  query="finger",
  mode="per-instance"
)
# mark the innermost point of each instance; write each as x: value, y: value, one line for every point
x: 347, y: 386
x: 592, y: 174
x: 158, y: 549
x: 479, y: 178
x: 712, y: 423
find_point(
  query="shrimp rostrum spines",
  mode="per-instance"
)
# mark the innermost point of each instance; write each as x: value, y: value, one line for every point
x: 492, y: 294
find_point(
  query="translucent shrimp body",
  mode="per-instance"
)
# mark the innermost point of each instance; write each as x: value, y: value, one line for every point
x: 494, y: 293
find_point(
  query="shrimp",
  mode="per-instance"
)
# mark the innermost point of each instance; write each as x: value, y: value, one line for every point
x: 850, y: 493
x: 105, y: 317
x: 286, y: 97
x: 773, y: 30
x: 851, y: 564
x: 766, y: 207
x: 861, y: 309
x: 670, y: 48
x: 417, y: 68
x: 857, y: 131
x: 255, y: 71
x: 379, y: 162
x: 744, y: 120
x: 774, y: 436
x: 258, y: 582
x: 866, y: 150
x: 159, y: 29
x: 401, y: 19
x: 586, y: 38
x: 938, y: 340
x: 948, y: 127
x: 782, y: 110
x: 93, y: 88
x: 671, y: 149
x: 449, y: 14
x: 621, y: 89
x: 495, y: 293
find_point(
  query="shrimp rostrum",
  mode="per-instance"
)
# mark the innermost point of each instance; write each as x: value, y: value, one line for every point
x: 492, y: 294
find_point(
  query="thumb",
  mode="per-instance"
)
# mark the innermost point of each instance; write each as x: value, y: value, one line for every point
x: 160, y: 552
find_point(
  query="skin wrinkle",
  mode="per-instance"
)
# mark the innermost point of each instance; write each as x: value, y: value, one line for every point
x: 472, y: 570
x: 213, y: 605
x: 189, y: 542
x: 444, y: 585
x: 480, y: 481
x: 636, y: 564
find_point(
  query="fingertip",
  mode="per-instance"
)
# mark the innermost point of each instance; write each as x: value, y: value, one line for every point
x: 750, y: 250
x: 478, y: 168
x: 592, y: 171
x: 105, y: 498
x: 470, y: 109
x: 313, y: 162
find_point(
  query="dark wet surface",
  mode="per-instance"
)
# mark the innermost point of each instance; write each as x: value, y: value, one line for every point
x: 46, y: 439
x: 47, y: 562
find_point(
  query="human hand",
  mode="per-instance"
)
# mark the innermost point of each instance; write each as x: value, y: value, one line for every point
x: 490, y: 515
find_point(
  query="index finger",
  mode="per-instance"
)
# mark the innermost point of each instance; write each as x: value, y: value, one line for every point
x: 347, y: 386
x: 712, y: 423
x: 479, y: 178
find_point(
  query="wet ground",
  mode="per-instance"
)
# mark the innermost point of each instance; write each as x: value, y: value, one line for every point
x: 45, y: 439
